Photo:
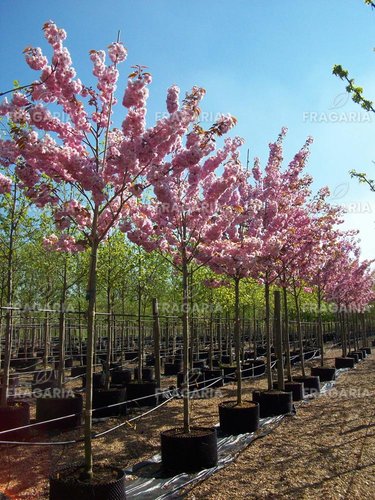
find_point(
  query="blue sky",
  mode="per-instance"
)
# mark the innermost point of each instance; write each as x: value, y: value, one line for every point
x: 269, y: 63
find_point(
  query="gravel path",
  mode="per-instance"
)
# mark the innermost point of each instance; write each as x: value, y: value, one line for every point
x: 326, y: 451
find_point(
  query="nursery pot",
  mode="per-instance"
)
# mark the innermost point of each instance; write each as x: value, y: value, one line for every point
x: 122, y: 377
x: 229, y: 373
x: 50, y: 408
x: 353, y: 355
x: 324, y: 373
x: 107, y: 397
x: 172, y: 368
x: 15, y: 414
x: 135, y: 390
x: 98, y: 380
x: 209, y: 375
x: 253, y: 368
x: 199, y: 364
x: 344, y: 363
x: 108, y: 484
x: 273, y: 402
x: 368, y: 350
x: 238, y: 419
x: 188, y: 452
x: 147, y: 374
x: 359, y: 354
x: 77, y: 370
x: 296, y: 388
x: 311, y: 383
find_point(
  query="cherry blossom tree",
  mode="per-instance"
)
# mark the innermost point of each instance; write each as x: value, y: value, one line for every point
x: 283, y: 195
x: 106, y: 168
x: 192, y: 208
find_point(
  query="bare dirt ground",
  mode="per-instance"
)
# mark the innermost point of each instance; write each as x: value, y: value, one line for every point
x: 326, y: 451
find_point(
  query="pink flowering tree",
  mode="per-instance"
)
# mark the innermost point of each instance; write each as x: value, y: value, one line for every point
x: 282, y: 195
x: 330, y: 246
x: 105, y: 168
x: 351, y: 290
x: 191, y: 209
x: 234, y: 256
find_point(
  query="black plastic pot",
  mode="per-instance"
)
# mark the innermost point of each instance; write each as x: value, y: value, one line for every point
x: 172, y: 368
x: 212, y: 374
x: 135, y: 390
x: 16, y: 414
x: 296, y: 388
x: 199, y: 364
x: 69, y: 363
x: 65, y: 484
x: 344, y: 363
x: 359, y: 354
x: 122, y: 377
x: 107, y: 397
x: 77, y: 370
x: 324, y: 373
x: 364, y: 352
x: 236, y: 419
x: 190, y: 452
x: 52, y: 408
x: 368, y: 350
x: 150, y: 360
x: 98, y: 380
x: 253, y: 368
x: 311, y: 384
x: 131, y: 355
x: 229, y: 373
x: 354, y: 356
x: 273, y: 402
x: 147, y: 374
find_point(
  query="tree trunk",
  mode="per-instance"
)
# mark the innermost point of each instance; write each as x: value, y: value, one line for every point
x: 185, y: 333
x: 268, y: 334
x: 286, y: 336
x: 62, y: 329
x: 299, y: 330
x: 237, y: 337
x: 91, y: 294
x: 156, y: 332
x: 9, y: 297
x: 279, y: 341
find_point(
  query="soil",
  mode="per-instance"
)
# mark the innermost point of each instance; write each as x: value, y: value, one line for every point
x: 234, y: 405
x: 102, y: 475
x: 327, y: 450
x: 194, y: 431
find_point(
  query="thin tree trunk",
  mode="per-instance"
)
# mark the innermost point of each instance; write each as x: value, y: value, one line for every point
x: 185, y: 333
x: 237, y: 338
x: 286, y: 336
x: 9, y: 313
x: 268, y: 334
x: 62, y: 329
x: 299, y: 331
x: 91, y: 292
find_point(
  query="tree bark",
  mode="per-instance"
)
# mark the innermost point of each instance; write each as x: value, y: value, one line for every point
x: 237, y: 338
